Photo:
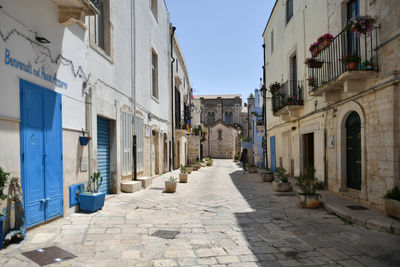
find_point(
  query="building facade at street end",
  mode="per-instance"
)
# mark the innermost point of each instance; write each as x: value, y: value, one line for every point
x: 220, y: 114
x: 340, y: 118
x: 97, y: 69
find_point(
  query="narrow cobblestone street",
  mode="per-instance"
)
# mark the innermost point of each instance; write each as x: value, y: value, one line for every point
x: 223, y: 218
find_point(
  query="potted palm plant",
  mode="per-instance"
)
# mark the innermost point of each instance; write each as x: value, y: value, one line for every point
x: 308, y: 184
x: 3, y: 182
x: 170, y: 184
x: 183, y: 176
x: 392, y: 202
x: 91, y: 200
x: 281, y: 181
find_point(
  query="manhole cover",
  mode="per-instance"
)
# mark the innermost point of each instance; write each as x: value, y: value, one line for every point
x: 355, y: 207
x: 165, y: 234
x: 48, y: 255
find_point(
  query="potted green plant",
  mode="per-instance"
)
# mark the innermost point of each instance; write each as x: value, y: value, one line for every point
x: 308, y: 184
x: 91, y: 200
x: 170, y: 184
x: 84, y: 140
x: 3, y: 182
x: 189, y: 169
x: 183, y: 176
x: 252, y: 168
x: 312, y: 82
x: 267, y: 176
x: 281, y: 181
x: 367, y: 65
x: 351, y: 61
x: 209, y: 162
x: 274, y: 87
x: 236, y: 157
x: 392, y: 202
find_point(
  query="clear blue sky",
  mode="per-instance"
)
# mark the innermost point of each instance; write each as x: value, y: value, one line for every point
x: 221, y: 42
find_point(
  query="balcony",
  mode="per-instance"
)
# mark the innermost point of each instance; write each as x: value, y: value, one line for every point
x: 74, y: 11
x: 288, y: 100
x: 334, y: 78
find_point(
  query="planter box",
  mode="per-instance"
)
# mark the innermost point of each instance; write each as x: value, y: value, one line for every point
x: 91, y: 202
x: 1, y: 230
x: 392, y: 207
x: 196, y: 167
x: 281, y: 186
x: 170, y: 186
x: 189, y: 170
x: 183, y: 177
x: 309, y: 201
x: 203, y: 164
x: 267, y: 176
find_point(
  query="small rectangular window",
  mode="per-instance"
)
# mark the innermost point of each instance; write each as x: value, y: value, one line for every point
x: 154, y: 74
x: 99, y: 26
x: 153, y: 7
x: 272, y: 42
x: 289, y: 10
x: 219, y: 135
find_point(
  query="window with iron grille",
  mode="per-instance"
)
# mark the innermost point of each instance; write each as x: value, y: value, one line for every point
x: 139, y: 132
x: 126, y: 123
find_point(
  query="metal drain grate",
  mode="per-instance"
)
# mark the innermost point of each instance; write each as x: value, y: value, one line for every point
x: 356, y: 207
x: 48, y: 255
x: 166, y: 234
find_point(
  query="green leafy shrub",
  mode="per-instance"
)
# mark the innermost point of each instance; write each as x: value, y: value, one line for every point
x: 282, y: 175
x: 393, y: 194
x: 307, y: 182
x: 3, y: 182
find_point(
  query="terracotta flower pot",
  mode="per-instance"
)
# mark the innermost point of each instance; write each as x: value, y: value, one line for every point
x: 352, y: 66
x: 327, y: 42
x: 315, y: 51
x: 309, y: 201
x: 170, y: 186
x: 267, y: 176
x: 281, y: 186
x: 392, y: 207
x: 183, y: 177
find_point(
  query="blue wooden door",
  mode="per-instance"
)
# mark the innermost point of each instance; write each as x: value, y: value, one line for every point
x: 41, y: 153
x: 103, y: 153
x: 273, y: 153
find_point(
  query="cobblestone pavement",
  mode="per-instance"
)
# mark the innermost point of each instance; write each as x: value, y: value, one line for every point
x: 224, y: 218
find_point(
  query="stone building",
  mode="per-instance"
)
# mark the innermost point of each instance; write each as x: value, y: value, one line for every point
x: 345, y: 122
x: 226, y: 110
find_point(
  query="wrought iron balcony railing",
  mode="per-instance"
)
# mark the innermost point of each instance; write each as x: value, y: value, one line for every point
x: 290, y: 93
x: 344, y: 44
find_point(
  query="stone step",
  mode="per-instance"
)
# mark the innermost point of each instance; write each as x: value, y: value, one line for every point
x: 131, y: 186
x: 145, y: 180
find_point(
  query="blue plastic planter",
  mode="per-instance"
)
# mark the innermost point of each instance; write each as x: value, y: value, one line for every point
x: 83, y: 140
x: 1, y: 230
x: 90, y: 202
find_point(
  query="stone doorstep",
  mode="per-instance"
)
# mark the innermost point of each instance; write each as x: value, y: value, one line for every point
x: 131, y: 186
x: 145, y: 180
x: 370, y: 219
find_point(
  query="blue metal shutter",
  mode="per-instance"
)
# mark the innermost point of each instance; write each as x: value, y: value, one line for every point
x: 103, y: 153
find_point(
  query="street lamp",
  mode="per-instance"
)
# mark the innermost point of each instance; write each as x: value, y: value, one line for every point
x: 263, y: 92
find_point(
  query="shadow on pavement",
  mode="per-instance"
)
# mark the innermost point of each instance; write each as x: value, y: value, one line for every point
x: 280, y: 233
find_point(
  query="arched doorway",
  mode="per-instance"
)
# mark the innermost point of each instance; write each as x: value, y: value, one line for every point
x: 353, y: 151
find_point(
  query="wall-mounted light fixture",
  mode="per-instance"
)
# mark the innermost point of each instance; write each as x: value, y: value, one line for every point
x: 41, y: 39
x: 294, y: 128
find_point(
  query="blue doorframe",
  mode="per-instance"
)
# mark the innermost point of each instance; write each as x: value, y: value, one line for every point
x: 103, y: 153
x: 273, y: 153
x: 41, y: 153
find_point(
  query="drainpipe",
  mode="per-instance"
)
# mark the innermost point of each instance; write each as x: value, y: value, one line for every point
x: 172, y: 164
x: 89, y: 128
x: 133, y: 84
x: 265, y: 113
